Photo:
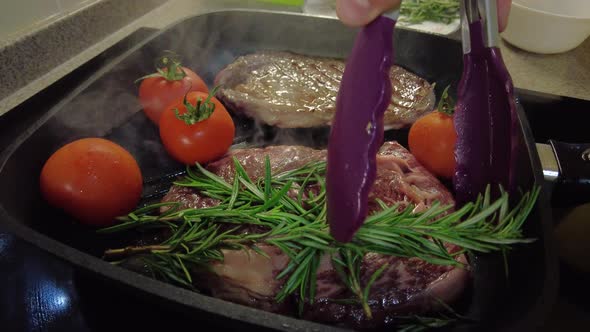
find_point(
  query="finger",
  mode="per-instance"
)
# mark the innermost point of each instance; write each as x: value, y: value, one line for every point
x: 503, y: 13
x: 360, y: 12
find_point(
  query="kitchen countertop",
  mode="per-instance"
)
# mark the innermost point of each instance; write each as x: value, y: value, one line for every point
x: 36, y: 57
x: 566, y: 74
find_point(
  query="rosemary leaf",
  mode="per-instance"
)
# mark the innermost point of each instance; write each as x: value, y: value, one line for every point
x: 297, y: 225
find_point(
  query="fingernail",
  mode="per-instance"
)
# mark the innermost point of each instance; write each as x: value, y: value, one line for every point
x: 363, y: 3
x: 353, y: 12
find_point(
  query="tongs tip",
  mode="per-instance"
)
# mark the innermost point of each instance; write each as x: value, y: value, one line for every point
x: 485, y: 11
x: 392, y: 14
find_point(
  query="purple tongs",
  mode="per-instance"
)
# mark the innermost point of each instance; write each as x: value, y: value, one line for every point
x: 485, y: 114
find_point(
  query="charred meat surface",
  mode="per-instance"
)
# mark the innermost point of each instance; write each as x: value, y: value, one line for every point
x: 407, y: 286
x: 289, y: 90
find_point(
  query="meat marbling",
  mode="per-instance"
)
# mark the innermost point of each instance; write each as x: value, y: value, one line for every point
x: 289, y: 90
x: 407, y: 286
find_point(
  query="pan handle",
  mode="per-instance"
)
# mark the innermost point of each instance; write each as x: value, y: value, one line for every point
x: 572, y: 179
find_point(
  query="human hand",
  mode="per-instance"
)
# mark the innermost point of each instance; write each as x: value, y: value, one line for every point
x: 360, y: 12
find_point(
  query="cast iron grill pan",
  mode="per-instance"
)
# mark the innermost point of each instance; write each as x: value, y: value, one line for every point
x: 106, y: 106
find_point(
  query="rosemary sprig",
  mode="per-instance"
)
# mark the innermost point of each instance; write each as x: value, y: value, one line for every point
x: 296, y: 224
x: 347, y: 264
x: 420, y: 323
x: 446, y: 317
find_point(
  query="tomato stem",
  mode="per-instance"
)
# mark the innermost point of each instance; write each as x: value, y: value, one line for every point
x: 202, y: 109
x: 446, y: 104
x: 169, y: 67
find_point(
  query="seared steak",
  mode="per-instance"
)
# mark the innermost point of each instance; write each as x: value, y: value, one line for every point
x: 249, y: 278
x: 400, y: 178
x: 289, y: 90
x: 407, y: 286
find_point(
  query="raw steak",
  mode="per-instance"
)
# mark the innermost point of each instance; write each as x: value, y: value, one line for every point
x: 408, y: 286
x: 289, y: 90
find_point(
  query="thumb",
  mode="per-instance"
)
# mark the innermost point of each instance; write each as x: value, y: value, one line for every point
x: 503, y: 13
x: 360, y: 12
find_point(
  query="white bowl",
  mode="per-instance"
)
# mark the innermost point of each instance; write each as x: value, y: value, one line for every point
x: 548, y: 26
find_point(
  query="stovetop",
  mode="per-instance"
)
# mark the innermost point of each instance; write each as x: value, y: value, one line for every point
x: 40, y: 292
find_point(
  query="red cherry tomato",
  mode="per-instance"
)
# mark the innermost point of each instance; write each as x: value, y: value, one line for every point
x: 432, y: 141
x: 155, y: 93
x: 202, y: 141
x: 92, y: 179
x: 172, y: 81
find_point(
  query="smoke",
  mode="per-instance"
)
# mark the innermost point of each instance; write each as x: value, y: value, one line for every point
x: 264, y: 135
x: 109, y: 106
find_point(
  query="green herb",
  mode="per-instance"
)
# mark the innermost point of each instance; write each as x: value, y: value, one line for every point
x: 202, y: 109
x: 296, y: 224
x: 418, y: 11
x: 347, y: 264
x: 167, y: 66
x: 446, y: 104
x: 445, y: 318
x: 420, y: 323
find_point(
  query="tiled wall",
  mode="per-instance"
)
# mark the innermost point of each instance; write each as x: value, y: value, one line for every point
x: 17, y: 15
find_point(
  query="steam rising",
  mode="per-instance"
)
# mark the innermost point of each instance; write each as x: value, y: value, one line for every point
x: 109, y: 107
